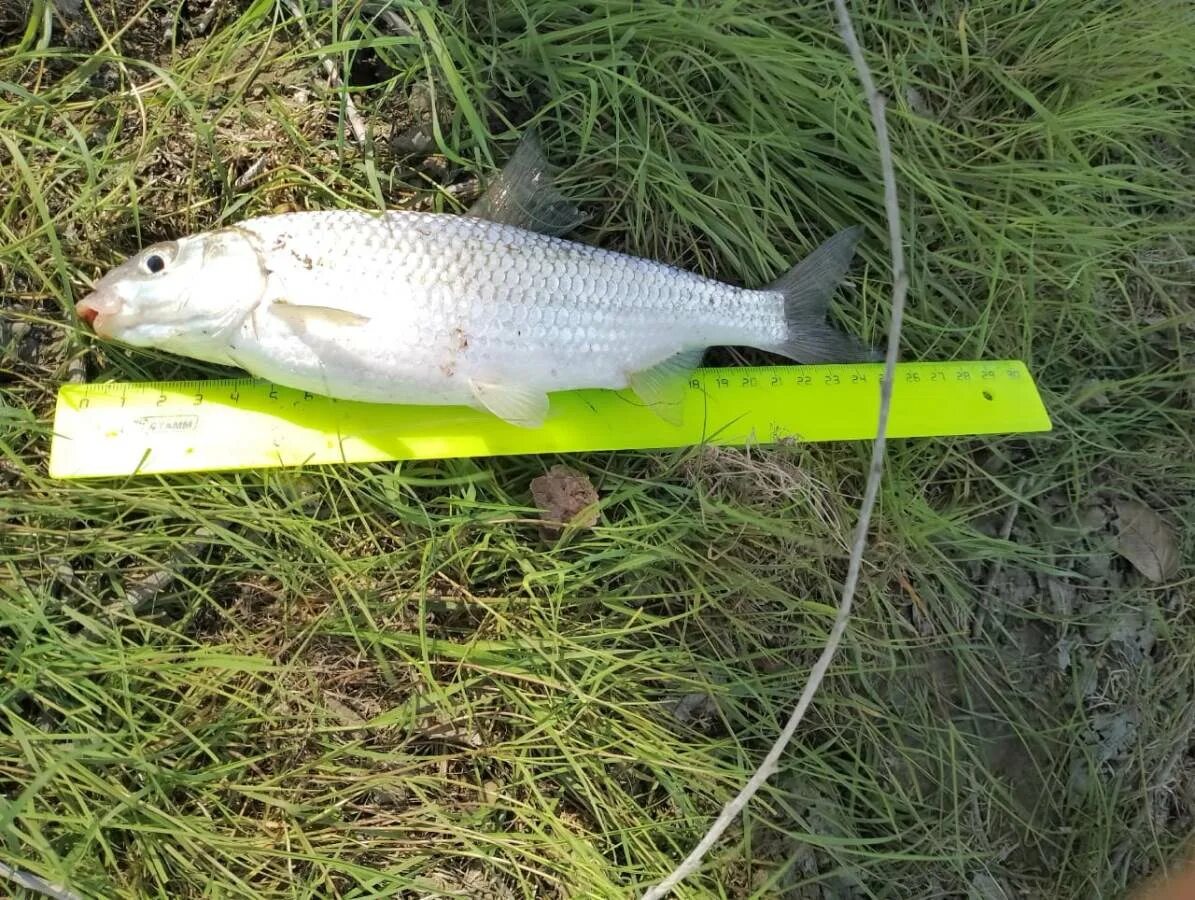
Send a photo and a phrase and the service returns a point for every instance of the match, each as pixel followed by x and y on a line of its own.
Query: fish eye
pixel 154 263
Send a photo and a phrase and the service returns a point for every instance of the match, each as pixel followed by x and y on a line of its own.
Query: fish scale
pixel 596 315
pixel 494 309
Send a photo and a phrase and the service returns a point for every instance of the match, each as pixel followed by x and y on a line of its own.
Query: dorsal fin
pixel 524 195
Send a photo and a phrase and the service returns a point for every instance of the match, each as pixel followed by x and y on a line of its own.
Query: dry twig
pixel 140 594
pixel 871 491
pixel 246 177
pixel 356 123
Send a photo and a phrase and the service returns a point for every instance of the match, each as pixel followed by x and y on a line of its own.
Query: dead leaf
pixel 1146 540
pixel 564 496
pixel 345 714
pixel 452 733
pixel 984 886
pixel 691 708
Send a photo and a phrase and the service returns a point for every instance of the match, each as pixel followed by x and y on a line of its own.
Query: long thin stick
pixel 38 885
pixel 900 286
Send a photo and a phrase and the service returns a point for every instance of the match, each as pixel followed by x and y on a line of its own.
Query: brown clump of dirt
pixel 565 497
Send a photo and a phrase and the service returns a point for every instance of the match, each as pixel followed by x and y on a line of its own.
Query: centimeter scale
pixel 121 429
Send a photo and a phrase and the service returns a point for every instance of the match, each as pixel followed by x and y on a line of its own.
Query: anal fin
pixel 662 387
pixel 525 407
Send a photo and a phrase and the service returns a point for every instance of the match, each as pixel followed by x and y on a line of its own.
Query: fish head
pixel 184 295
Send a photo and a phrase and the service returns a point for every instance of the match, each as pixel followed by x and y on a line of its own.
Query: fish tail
pixel 808 288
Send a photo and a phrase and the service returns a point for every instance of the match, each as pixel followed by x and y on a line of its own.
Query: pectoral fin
pixel 300 316
pixel 662 387
pixel 523 195
pixel 524 407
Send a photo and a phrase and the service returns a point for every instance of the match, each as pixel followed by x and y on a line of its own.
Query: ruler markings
pixel 238 423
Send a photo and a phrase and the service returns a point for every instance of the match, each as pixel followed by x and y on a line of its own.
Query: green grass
pixel 379 681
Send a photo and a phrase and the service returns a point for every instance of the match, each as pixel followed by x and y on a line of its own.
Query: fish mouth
pixel 86 312
pixel 93 309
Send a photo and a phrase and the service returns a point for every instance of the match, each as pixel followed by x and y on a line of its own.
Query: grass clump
pixel 379 680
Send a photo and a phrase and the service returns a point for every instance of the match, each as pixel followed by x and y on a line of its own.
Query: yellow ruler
pixel 118 429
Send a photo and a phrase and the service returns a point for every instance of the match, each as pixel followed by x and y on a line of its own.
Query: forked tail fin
pixel 808 288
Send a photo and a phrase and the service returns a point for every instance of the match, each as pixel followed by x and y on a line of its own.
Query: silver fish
pixel 493 309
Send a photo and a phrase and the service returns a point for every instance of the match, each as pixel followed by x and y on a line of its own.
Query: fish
pixel 494 309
